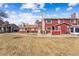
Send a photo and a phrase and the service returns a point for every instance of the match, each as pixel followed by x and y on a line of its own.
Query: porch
pixel 59 29
pixel 5 29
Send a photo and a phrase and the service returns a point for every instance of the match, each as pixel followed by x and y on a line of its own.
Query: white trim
pixel 58 21
pixel 74 21
pixel 75 33
pixel 57 29
pixel 49 22
pixel 62 21
pixel 49 26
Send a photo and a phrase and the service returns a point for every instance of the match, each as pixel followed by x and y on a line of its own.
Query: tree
pixel 2 15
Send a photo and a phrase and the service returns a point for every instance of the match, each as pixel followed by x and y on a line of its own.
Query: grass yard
pixel 17 44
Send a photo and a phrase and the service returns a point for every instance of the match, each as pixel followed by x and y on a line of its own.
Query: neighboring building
pixel 6 27
pixel 28 29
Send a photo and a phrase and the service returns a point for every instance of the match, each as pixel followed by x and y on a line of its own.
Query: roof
pixel 3 25
pixel 74 26
pixel 9 25
pixel 29 26
pixel 61 24
pixel 60 18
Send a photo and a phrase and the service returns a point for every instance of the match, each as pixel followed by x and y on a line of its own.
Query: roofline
pixel 61 24
pixel 59 18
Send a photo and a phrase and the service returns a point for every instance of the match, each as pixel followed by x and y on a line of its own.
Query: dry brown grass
pixel 25 44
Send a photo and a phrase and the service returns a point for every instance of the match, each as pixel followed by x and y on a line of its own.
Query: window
pixel 62 21
pixel 49 21
pixel 76 29
pixel 54 28
pixel 72 30
pixel 49 28
pixel 72 20
pixel 58 27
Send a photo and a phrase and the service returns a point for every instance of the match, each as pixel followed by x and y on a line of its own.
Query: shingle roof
pixel 61 24
pixel 59 19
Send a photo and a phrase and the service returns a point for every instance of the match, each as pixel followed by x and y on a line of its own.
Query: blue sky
pixel 30 12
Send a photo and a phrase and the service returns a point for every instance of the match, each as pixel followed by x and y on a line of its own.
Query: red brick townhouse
pixel 58 26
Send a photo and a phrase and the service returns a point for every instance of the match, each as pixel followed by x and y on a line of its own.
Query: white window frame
pixel 74 21
pixel 62 21
pixel 56 29
pixel 48 27
pixel 59 27
pixel 49 22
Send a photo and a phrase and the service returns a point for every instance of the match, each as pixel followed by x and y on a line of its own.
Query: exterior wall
pixel 28 30
pixel 63 27
pixel 53 22
pixel 56 33
pixel 6 29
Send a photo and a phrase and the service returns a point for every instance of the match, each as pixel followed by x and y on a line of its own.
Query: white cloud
pixel 28 6
pixel 5 5
pixel 58 8
pixel 13 12
pixel 1 4
pixel 41 5
pixel 33 6
pixel 54 15
pixel 72 4
pixel 7 12
pixel 48 15
pixel 70 8
pixel 36 10
pixel 77 15
pixel 24 17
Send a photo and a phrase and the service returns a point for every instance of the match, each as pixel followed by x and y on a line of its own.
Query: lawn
pixel 19 44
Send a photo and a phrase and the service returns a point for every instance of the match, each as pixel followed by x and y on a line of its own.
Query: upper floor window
pixel 49 21
pixel 62 21
pixel 72 21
